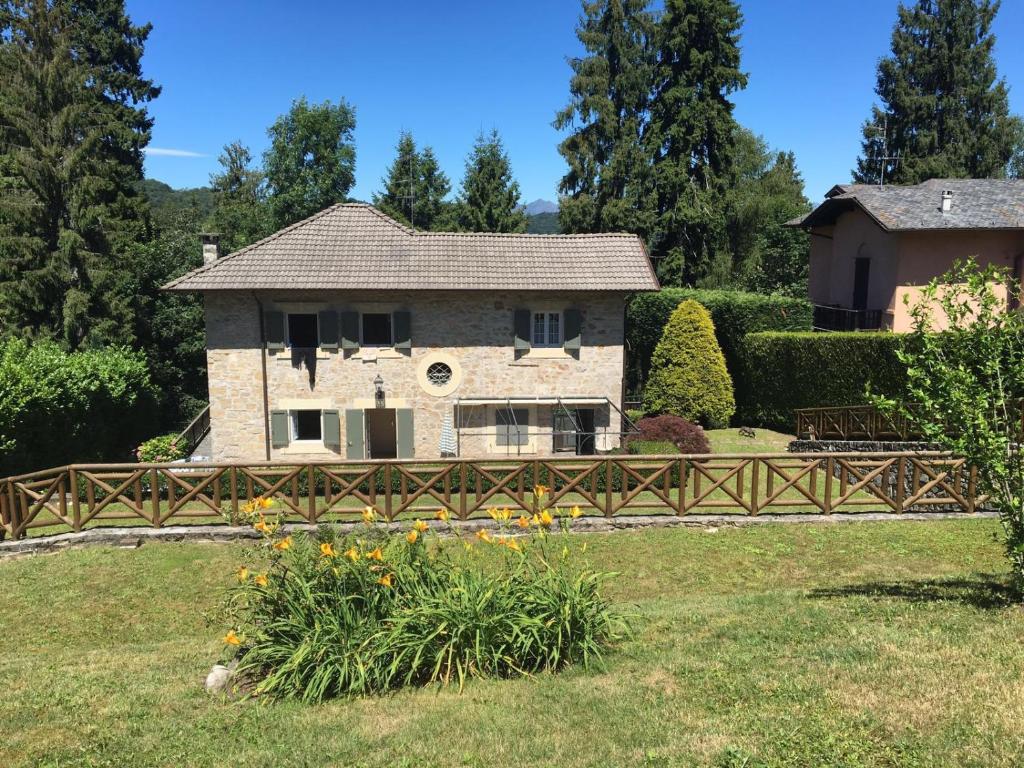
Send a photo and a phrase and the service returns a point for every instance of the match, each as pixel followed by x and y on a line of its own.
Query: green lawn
pixel 874 644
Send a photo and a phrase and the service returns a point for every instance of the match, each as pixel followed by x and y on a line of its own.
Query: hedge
pixel 734 313
pixel 781 372
pixel 58 407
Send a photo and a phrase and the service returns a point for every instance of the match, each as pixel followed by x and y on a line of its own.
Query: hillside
pixel 167 201
pixel 543 224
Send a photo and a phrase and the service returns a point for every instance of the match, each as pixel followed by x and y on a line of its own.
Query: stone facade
pixel 470 331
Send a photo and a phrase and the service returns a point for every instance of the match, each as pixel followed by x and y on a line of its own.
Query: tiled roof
pixel 977 204
pixel 353 246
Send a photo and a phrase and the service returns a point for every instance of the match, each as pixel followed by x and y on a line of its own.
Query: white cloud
pixel 163 152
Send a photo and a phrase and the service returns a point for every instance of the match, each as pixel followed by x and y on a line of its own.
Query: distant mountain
pixel 540 206
pixel 166 201
pixel 543 224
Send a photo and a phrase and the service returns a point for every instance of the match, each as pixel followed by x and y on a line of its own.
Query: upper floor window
pixel 376 329
pixel 547 329
pixel 302 331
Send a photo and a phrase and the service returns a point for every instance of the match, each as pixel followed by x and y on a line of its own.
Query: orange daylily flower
pixel 283 544
pixel 575 512
pixel 242 573
pixel 412 536
pixel 421 526
pixel 327 550
pixel 352 554
pixel 375 555
pixel 545 520
pixel 369 515
pixel 260 579
pixel 443 515
pixel 386 580
pixel 513 545
pixel 523 521
pixel 231 638
pixel 540 490
pixel 483 535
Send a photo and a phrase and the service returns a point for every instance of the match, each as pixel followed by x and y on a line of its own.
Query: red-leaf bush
pixel 686 436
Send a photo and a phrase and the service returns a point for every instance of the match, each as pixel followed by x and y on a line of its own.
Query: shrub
pixel 785 371
pixel 58 407
pixel 689 377
pixel 651 448
pixel 159 450
pixel 315 618
pixel 681 434
pixel 734 314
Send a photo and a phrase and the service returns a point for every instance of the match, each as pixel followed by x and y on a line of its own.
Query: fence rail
pixel 78 496
pixel 854 422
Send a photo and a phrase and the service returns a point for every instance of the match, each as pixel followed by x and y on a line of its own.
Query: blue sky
pixel 446 70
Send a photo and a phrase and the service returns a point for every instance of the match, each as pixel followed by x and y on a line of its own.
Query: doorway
pixel 574 431
pixel 381 434
pixel 861 277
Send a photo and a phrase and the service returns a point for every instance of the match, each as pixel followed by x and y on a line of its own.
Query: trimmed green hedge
pixel 59 407
pixel 781 372
pixel 734 314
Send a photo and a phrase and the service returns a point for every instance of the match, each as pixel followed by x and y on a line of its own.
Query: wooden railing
pixel 194 433
pixel 78 496
pixel 854 422
pixel 832 318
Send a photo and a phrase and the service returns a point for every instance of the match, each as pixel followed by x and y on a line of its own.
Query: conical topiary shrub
pixel 688 374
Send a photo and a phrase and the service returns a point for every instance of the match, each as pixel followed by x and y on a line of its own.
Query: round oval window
pixel 439 374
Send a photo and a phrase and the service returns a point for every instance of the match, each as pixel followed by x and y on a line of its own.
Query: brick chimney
pixel 211 246
pixel 947 201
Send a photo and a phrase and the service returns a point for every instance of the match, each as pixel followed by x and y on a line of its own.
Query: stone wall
pixel 473 332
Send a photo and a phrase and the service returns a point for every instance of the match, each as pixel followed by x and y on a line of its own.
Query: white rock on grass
pixel 219 679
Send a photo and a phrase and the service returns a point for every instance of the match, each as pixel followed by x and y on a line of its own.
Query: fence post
pixel 387 490
pixel 463 501
pixel 608 488
pixel 972 490
pixel 154 496
pixel 754 481
pixel 901 483
pixel 830 469
pixel 311 492
pixel 683 477
pixel 76 507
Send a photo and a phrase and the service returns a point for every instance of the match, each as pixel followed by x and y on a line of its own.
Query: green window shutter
pixel 332 429
pixel 328 322
pixel 403 330
pixel 406 447
pixel 280 434
pixel 573 329
pixel 521 326
pixel 350 330
pixel 355 441
pixel 273 329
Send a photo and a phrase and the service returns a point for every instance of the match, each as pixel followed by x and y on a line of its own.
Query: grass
pixel 872 644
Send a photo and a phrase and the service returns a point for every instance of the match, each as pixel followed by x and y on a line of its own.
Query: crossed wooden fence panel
pixel 77 496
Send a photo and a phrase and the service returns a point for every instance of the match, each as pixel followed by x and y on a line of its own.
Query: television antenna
pixel 884 158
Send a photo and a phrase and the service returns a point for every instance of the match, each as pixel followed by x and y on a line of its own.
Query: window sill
pixel 370 354
pixel 296 447
pixel 545 353
pixel 286 354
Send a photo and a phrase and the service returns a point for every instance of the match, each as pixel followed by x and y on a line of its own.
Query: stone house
pixel 350 336
pixel 872 246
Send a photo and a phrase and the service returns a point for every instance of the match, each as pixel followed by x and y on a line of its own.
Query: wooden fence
pixel 853 422
pixel 78 496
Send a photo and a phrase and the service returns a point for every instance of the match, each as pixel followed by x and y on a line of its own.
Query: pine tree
pixel 311 162
pixel 489 198
pixel 72 130
pixel 240 210
pixel 692 133
pixel 607 184
pixel 943 108
pixel 415 188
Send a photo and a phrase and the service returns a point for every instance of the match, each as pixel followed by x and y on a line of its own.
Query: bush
pixel 782 372
pixel 682 435
pixel 316 618
pixel 651 448
pixel 160 450
pixel 734 314
pixel 689 377
pixel 60 407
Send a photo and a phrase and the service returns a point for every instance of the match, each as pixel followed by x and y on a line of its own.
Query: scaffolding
pixel 566 405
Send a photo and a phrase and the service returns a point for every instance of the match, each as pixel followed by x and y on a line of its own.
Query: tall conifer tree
pixel 692 133
pixel 944 110
pixel 73 127
pixel 489 198
pixel 415 188
pixel 605 188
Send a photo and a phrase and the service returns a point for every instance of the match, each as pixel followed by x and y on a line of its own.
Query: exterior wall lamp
pixel 378 391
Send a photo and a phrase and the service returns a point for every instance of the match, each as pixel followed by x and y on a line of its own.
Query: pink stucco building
pixel 871 246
